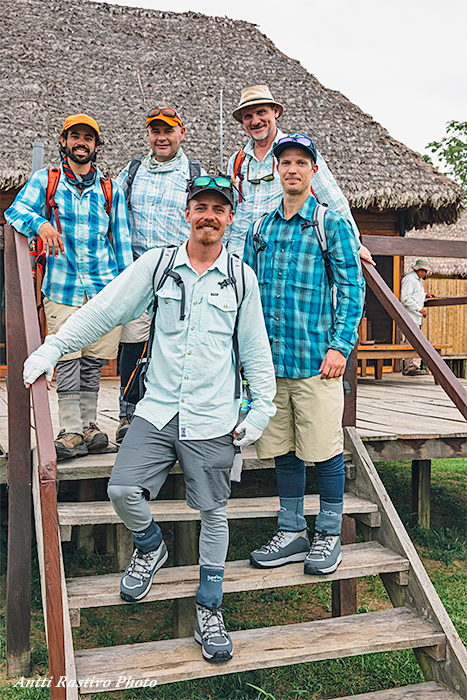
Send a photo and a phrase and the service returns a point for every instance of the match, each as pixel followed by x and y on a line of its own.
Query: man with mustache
pixel 85 230
pixel 155 189
pixel 189 411
pixel 254 170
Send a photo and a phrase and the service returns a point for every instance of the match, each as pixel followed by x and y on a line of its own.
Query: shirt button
pixel 182 401
pixel 282 250
pixel 277 318
pixel 225 306
pixel 280 273
pixel 165 301
pixel 192 328
pixel 189 352
pixel 278 296
pixel 194 303
pixel 276 341
pixel 186 377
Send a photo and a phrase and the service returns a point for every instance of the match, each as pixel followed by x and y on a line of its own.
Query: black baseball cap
pixel 208 183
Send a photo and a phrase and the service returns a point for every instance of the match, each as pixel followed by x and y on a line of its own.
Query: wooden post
pixel 185 553
pixel 421 491
pixel 350 399
pixel 18 593
pixel 344 593
pixel 85 538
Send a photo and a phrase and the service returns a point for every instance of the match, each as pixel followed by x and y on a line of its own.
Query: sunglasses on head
pixel 166 112
pixel 205 181
pixel 303 140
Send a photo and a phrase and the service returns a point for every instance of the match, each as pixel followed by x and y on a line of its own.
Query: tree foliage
pixel 452 151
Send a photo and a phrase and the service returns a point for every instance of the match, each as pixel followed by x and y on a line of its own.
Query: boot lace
pixel 276 542
pixel 212 623
pixel 141 565
pixel 322 544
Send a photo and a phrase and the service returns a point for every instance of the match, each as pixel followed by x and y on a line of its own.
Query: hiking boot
pixel 137 579
pixel 283 548
pixel 70 445
pixel 210 632
pixel 325 554
pixel 95 439
pixel 122 429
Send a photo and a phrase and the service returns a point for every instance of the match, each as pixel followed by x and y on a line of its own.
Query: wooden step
pixel 362 559
pixel 181 659
pixel 421 691
pixel 99 512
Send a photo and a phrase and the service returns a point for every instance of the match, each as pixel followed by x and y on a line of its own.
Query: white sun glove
pixel 247 434
pixel 36 365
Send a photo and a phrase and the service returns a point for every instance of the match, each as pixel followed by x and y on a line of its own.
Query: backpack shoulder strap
pixel 52 184
pixel 319 229
pixel 237 171
pixel 236 271
pixel 195 169
pixel 106 184
pixel 132 170
pixel 163 267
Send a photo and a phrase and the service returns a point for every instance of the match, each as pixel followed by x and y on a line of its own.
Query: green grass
pixel 442 549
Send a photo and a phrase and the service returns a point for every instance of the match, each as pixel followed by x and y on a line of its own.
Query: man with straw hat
pixel 254 169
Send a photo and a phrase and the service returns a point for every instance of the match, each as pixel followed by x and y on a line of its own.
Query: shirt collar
pixel 220 263
pixel 305 212
pixel 249 148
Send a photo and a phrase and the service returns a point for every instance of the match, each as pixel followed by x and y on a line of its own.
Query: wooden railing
pixel 425 349
pixel 23 338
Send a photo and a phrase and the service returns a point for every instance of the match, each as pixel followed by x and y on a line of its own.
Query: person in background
pixel 413 297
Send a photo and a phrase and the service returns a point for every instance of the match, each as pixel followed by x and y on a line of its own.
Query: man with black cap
pixel 82 219
pixel 155 189
pixel 255 175
pixel 413 297
pixel 311 339
pixel 190 410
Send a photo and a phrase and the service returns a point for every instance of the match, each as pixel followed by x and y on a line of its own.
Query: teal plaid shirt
pixel 295 292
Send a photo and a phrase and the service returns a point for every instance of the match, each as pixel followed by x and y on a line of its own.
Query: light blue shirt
pixel 192 370
pixel 267 196
pixel 158 202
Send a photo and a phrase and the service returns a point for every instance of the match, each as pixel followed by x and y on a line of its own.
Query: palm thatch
pixel 60 57
pixel 443 267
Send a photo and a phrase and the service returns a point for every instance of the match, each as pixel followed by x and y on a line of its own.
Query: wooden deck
pixel 395 409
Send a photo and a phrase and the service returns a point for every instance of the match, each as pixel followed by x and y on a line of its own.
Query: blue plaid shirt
pixel 267 196
pixel 295 292
pixel 158 202
pixel 90 260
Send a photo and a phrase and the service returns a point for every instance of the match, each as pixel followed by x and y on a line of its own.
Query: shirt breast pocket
pixel 169 309
pixel 220 313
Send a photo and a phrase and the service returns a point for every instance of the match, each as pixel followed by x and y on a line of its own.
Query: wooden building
pixel 129 60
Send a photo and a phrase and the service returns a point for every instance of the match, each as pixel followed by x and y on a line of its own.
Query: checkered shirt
pixel 90 260
pixel 295 292
pixel 158 202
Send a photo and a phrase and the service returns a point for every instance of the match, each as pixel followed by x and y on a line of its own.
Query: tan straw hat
pixel 255 95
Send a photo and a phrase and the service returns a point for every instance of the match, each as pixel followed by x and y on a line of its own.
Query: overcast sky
pixel 402 61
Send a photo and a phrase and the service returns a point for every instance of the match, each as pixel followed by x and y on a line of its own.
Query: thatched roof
pixel 444 267
pixel 59 57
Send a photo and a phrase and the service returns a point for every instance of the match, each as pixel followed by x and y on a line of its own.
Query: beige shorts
pixel 106 347
pixel 308 420
pixel 136 331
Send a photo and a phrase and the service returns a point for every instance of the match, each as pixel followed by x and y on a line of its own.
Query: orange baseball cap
pixel 166 114
pixel 75 119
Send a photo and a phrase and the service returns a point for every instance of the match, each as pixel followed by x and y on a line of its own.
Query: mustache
pixel 207 222
pixel 75 148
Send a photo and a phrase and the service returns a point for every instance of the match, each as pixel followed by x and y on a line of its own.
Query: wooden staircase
pixel 418 619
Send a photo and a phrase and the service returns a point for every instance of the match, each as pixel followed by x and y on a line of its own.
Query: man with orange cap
pixel 155 187
pixel 82 219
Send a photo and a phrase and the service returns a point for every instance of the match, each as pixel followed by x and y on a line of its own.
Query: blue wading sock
pixel 290 516
pixel 329 518
pixel 209 591
pixel 149 539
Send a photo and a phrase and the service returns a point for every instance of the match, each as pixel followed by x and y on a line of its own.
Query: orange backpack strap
pixel 52 184
pixel 237 171
pixel 106 184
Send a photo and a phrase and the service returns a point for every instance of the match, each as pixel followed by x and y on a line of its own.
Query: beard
pixel 81 160
pixel 255 137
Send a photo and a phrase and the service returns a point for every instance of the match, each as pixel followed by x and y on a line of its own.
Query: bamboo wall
pixel 447 324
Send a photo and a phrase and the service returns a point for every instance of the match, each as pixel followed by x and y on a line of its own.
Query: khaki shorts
pixel 136 331
pixel 308 420
pixel 106 347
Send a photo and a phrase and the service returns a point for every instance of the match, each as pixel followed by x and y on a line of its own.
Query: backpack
pixel 195 171
pixel 135 388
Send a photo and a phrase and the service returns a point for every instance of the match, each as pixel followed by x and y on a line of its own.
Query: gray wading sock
pixel 88 406
pixel 69 413
pixel 329 518
pixel 209 591
pixel 290 516
pixel 148 539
